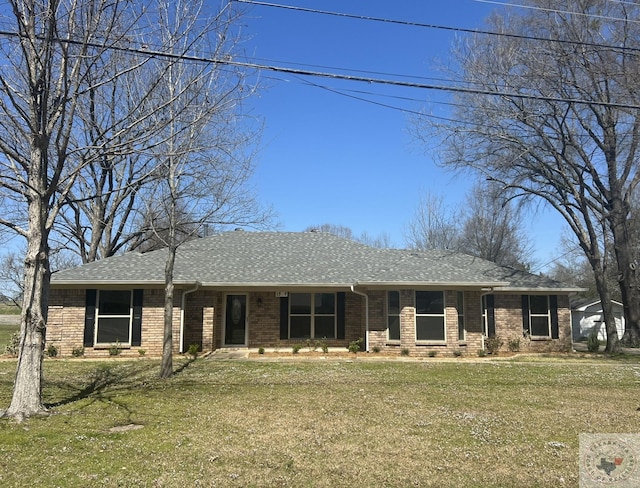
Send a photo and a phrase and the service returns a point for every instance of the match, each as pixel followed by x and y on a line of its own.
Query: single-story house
pixel 244 289
pixel 586 315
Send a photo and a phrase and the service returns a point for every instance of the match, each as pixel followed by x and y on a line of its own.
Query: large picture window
pixel 393 315
pixel 312 315
pixel 539 316
pixel 113 317
pixel 430 316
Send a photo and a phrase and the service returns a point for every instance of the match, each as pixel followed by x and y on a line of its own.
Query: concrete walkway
pixel 228 353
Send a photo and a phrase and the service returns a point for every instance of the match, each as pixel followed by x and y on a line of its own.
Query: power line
pixel 447 28
pixel 335 76
pixel 558 11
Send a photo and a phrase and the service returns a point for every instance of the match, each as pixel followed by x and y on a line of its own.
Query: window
pixel 539 316
pixel 113 317
pixel 460 307
pixel 393 315
pixel 312 315
pixel 430 316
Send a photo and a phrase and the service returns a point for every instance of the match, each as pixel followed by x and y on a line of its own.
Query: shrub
pixel 493 344
pixel 261 350
pixel 77 352
pixel 457 353
pixel 482 353
pixel 14 343
pixel 52 351
pixel 593 343
pixel 142 352
pixel 514 344
pixel 193 351
pixel 376 349
pixel 115 350
pixel 355 346
pixel 324 346
pixel 296 348
pixel 404 351
pixel 433 354
pixel 632 343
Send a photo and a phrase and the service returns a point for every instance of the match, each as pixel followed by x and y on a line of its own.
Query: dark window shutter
pixel 341 314
pixel 525 315
pixel 284 318
pixel 89 317
pixel 553 305
pixel 491 316
pixel 136 329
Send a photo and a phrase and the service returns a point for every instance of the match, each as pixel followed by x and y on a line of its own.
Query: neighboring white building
pixel 587 314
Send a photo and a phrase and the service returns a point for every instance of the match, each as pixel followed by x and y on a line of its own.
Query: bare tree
pixel 434 226
pixel 43 83
pixel 204 161
pixel 493 229
pixel 557 120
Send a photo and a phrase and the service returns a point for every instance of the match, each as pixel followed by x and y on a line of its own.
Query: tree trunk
pixel 166 369
pixel 627 276
pixel 27 390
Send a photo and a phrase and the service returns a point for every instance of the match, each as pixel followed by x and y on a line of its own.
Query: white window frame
pixel 389 314
pixel 312 315
pixel 546 315
pixel 112 316
pixel 442 315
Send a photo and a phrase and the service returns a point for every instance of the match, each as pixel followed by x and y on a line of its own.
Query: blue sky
pixel 329 157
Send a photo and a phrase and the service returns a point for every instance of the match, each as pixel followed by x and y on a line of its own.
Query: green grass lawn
pixel 331 423
pixel 6 331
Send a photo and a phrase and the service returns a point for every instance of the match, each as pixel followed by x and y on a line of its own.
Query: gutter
pixel 366 316
pixel 182 305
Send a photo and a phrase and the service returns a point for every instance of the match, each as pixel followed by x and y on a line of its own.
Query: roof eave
pixel 439 284
pixel 541 289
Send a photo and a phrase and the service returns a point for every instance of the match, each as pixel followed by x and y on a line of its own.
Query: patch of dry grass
pixel 316 423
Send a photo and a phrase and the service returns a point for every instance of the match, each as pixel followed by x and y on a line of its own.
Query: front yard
pixel 317 423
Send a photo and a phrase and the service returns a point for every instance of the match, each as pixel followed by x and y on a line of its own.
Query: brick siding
pixel 204 323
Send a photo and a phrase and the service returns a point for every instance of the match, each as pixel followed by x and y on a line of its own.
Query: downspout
pixel 366 316
pixel 182 305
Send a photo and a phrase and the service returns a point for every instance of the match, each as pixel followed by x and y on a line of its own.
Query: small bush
pixel 355 346
pixel 493 344
pixel 261 350
pixel 324 346
pixel 514 345
pixel 77 352
pixel 115 349
pixel 193 351
pixel 593 343
pixel 14 343
pixel 404 351
pixel 432 354
pixel 296 348
pixel 52 351
pixel 632 343
pixel 457 353
pixel 482 353
pixel 376 349
pixel 142 352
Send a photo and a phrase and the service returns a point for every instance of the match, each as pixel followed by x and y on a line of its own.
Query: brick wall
pixel 508 318
pixel 204 323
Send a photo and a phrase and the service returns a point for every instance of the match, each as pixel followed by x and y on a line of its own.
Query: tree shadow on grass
pixel 108 380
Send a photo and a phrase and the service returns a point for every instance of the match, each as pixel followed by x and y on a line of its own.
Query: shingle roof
pixel 281 259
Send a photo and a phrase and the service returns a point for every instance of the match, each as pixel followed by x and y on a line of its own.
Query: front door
pixel 235 328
